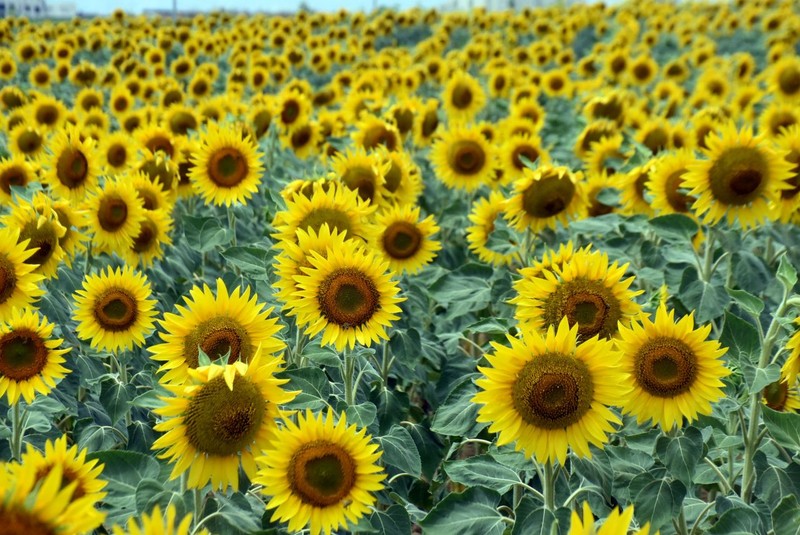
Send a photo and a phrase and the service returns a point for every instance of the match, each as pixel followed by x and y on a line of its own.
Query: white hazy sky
pixel 136 6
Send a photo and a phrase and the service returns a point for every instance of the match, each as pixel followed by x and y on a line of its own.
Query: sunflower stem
pixel 683 529
pixel 752 437
pixel 19 423
pixel 232 225
pixel 386 363
pixel 87 266
pixel 549 486
pixel 708 257
pixel 349 377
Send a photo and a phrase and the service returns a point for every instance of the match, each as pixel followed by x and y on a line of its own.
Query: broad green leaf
pixel 750 272
pixel 123 471
pixel 749 302
pixel 322 356
pixel 737 521
pixel 456 416
pixel 787 273
pixel 786 516
pixel 772 484
pixel 473 512
pixel 362 414
pixel 658 502
pixel 533 519
pixel 392 521
pixel 707 299
pixel 682 453
pixel 759 378
pixel 115 397
pixel 741 339
pixel 252 261
pixel 483 471
pixel 406 345
pixel 400 451
pixel 313 386
pixel 203 234
pixel 151 492
pixel 784 427
pixel 674 226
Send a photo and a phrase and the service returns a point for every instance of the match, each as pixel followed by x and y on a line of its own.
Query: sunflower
pixel 781 397
pixel 47 113
pixel 399 236
pixel 28 505
pixel 633 186
pixel 783 79
pixel 675 370
pixel 113 214
pixel 514 152
pixel 73 464
pixel 741 178
pixel 30 361
pixel 19 285
pixel 148 244
pixel 114 310
pixel 484 216
pixel 17 172
pixel 402 181
pixel 789 200
pixel 617 523
pixel 338 206
pixel 73 239
pixel 426 122
pixel 295 256
pixel 304 140
pixel 40 76
pixel 155 138
pixel 606 156
pixel 232 324
pixel 549 393
pixel 26 140
pixel 544 197
pixel 72 165
pixel 181 119
pixel 362 172
pixel 777 117
pixel 227 168
pixel 587 290
pixel 556 83
pixel 592 133
pixel 43 232
pixel 219 418
pixel 151 194
pixel 666 183
pixel 552 260
pixel 292 108
pixel 158 523
pixel 463 98
pixel 372 132
pixel 463 159
pixel 319 474
pixel 349 295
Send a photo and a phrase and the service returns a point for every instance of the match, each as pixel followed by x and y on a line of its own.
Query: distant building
pixel 502 5
pixel 33 9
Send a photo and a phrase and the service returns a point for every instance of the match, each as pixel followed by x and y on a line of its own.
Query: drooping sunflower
pixel 158 523
pixel 549 394
pixel 544 197
pixel 463 159
pixel 73 239
pixel 484 216
pixel 337 206
pixel 43 232
pixel 739 180
pixel 617 523
pixel 219 418
pixel 47 506
pixel 74 467
pixel 26 140
pixel 372 132
pixel 784 79
pixel 319 474
pixel 463 97
pixel 402 239
pixel 72 165
pixel 781 397
pixel 426 122
pixel 30 361
pixel 666 183
pixel 789 200
pixel 227 167
pixel 15 171
pixel 114 310
pixel 633 186
pixel 157 138
pixel 113 215
pixel 349 295
pixel 402 181
pixel 675 370
pixel 295 256
pixel 232 324
pixel 587 290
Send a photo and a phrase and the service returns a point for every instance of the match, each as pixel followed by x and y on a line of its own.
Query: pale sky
pixel 136 6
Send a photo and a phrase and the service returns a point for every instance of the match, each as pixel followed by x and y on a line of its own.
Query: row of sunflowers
pixel 470 272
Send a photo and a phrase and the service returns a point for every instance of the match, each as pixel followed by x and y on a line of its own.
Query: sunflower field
pixel 470 273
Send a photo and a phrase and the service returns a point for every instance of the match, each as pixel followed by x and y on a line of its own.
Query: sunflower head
pixel 462 158
pixel 403 240
pixel 544 197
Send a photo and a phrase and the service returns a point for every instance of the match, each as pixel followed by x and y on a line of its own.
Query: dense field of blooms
pixel 451 273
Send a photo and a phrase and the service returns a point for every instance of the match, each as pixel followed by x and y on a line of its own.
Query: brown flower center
pixel 402 240
pixel 361 179
pixel 29 142
pixel 665 367
pixel 548 196
pixel 72 168
pixel 462 97
pixel 467 157
pixel 47 114
pixel 587 303
pixel 348 298
pixel 218 337
pixel 321 473
pixel 112 213
pixel 776 395
pixel 147 239
pixel 227 167
pixel 789 81
pixel 738 176
pixel 116 310
pixel 23 354
pixel 20 522
pixel 12 176
pixel 523 149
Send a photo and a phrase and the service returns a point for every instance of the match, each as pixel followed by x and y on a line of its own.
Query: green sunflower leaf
pixel 483 471
pixel 784 427
pixel 473 512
